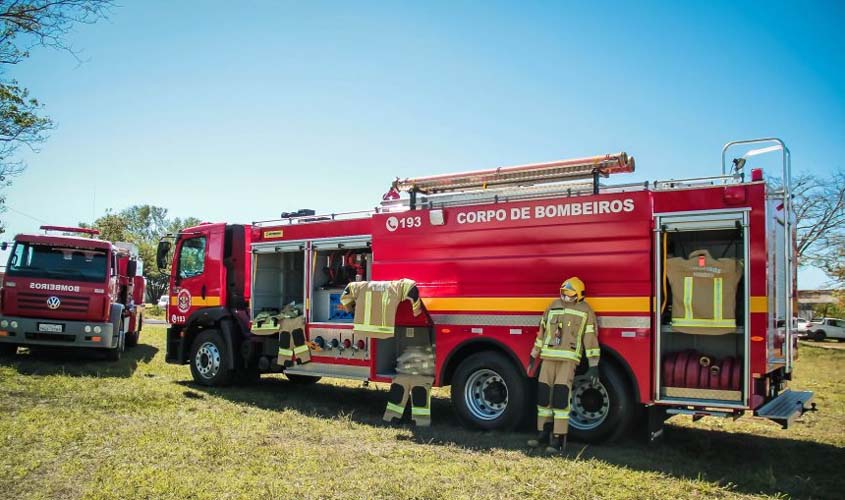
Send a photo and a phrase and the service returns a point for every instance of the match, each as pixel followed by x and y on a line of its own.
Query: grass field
pixel 85 428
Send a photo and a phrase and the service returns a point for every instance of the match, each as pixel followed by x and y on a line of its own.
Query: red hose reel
pixel 694 370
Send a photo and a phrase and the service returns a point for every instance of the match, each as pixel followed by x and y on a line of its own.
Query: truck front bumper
pixel 48 332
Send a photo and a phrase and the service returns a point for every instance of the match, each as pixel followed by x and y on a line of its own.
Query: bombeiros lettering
pixel 557 210
pixel 53 287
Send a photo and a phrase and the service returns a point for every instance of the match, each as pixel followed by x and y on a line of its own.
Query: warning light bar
pixel 522 175
pixel 92 232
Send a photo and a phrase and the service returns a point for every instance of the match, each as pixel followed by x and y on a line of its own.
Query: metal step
pixel 329 370
pixel 787 407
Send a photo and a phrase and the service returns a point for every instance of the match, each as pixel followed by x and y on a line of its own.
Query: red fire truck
pixel 71 291
pixel 488 251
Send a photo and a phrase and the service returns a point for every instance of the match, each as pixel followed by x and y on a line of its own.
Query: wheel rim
pixel 486 394
pixel 590 405
pixel 207 360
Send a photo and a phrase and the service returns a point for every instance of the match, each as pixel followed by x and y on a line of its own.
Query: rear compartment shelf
pixel 785 408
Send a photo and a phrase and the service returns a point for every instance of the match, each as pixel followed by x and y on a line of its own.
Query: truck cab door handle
pixel 202 292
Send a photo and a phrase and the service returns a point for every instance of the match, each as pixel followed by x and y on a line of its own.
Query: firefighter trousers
pixel 554 392
pixel 417 388
pixel 292 348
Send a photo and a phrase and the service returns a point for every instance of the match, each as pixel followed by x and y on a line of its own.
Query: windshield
pixel 48 261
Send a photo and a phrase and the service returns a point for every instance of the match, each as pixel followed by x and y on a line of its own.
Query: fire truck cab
pixel 488 251
pixel 71 291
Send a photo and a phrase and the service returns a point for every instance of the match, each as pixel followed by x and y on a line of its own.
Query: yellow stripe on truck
pixel 198 301
pixel 533 304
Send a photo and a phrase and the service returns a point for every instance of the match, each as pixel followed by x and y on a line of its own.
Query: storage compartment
pixel 278 281
pixel 702 309
pixel 388 350
pixel 334 266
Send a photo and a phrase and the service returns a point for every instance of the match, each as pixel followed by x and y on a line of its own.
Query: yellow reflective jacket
pixel 567 331
pixel 375 304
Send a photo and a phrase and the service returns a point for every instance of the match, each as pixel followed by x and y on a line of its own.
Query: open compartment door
pixel 701 338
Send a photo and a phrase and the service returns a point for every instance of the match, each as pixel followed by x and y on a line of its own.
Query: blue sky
pixel 236 111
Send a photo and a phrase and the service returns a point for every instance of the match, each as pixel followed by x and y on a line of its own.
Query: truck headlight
pixel 4 324
pixel 97 329
pixel 87 328
pixel 14 324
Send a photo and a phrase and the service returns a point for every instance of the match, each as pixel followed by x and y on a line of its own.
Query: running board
pixel 699 414
pixel 313 369
pixel 787 407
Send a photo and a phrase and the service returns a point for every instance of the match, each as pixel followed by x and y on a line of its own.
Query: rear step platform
pixel 787 407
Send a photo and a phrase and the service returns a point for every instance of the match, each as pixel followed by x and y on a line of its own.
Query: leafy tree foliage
pixel 143 225
pixel 24 25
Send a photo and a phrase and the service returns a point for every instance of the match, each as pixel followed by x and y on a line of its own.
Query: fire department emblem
pixel 392 224
pixel 183 300
pixel 53 302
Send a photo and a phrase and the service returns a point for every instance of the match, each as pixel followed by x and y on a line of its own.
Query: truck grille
pixel 37 302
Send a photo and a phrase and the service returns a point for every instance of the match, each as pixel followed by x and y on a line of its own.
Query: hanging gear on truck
pixel 567 331
pixel 375 304
pixel 293 348
pixel 704 293
pixel 417 389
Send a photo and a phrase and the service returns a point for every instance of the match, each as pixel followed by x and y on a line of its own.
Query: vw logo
pixel 53 302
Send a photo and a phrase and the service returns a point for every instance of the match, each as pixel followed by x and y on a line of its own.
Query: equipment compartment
pixel 702 338
pixel 278 280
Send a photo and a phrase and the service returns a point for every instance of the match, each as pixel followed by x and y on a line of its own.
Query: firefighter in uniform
pixel 568 330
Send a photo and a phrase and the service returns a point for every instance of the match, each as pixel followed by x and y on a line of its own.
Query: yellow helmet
pixel 573 287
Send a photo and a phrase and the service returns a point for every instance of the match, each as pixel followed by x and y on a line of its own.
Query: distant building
pixel 809 298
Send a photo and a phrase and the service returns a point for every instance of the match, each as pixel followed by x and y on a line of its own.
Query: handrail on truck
pixel 787 215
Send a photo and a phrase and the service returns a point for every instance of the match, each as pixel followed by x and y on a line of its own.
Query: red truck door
pixel 196 282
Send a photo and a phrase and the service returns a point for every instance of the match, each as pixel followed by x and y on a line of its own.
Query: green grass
pixel 86 428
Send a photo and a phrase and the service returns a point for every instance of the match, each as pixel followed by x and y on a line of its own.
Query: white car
pixel 162 301
pixel 832 328
pixel 801 325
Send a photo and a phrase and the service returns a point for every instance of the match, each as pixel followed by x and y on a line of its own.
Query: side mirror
pixel 4 245
pixel 132 268
pixel 161 254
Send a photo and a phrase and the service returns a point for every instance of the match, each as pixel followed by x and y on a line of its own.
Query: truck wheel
pixel 116 353
pixel 209 360
pixel 8 349
pixel 488 392
pixel 604 411
pixel 819 335
pixel 301 379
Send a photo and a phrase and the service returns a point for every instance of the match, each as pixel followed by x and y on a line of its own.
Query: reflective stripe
pixel 717 298
pixel 687 298
pixel 548 353
pixel 300 349
pixel 395 408
pixel 705 323
pixel 590 329
pixel 373 329
pixel 285 352
pixel 420 411
pixel 538 343
pixel 593 353
pixel 544 412
pixel 561 414
pixel 368 313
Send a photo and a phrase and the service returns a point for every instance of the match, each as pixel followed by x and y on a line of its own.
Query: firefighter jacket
pixel 703 293
pixel 375 304
pixel 568 330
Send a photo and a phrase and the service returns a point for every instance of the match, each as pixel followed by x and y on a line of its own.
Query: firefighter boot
pixel 557 444
pixel 542 438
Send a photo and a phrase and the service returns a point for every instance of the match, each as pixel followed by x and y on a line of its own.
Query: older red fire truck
pixel 71 291
pixel 488 251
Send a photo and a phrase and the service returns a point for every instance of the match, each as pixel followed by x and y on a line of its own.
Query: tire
pixel 604 412
pixel 8 349
pixel 489 392
pixel 209 360
pixel 116 353
pixel 301 379
pixel 819 335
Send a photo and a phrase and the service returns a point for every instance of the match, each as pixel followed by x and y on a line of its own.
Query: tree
pixel 143 225
pixel 24 25
pixel 819 205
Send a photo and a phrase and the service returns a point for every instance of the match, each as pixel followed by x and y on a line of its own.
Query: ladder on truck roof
pixel 537 177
